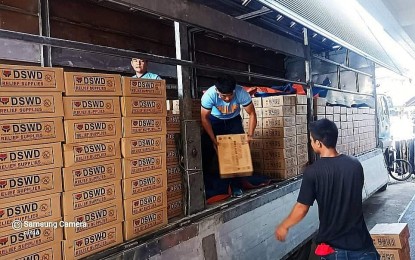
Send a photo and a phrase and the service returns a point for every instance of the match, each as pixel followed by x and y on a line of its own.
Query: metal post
pixel 373 67
pixel 190 129
pixel 46 50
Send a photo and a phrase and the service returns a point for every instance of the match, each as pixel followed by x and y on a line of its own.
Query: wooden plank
pixel 14 21
pixel 30 6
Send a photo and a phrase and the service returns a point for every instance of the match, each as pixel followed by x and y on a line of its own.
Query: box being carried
pixel 234 156
pixel 394 235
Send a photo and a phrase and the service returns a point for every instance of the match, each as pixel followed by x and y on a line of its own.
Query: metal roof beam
pixel 262 11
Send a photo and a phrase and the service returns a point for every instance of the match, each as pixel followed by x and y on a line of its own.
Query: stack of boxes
pixel 392 241
pixel 144 145
pixel 92 195
pixel 31 130
pixel 301 130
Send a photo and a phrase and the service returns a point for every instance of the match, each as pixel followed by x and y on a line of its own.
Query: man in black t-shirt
pixel 335 181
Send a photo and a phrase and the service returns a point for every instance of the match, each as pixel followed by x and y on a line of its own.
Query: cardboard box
pixel 23 185
pixel 394 254
pixel 257 102
pixel 302 148
pixel 143 126
pixel 329 110
pixel 302 139
pixel 255 154
pixel 273 101
pixel 30 79
pixel 319 117
pixel 280 132
pixel 20 132
pixel 349 111
pixel 51 252
pixel 173 173
pixel 89 152
pixel 259 123
pixel 278 122
pixel 343 118
pixel 282 174
pixel 256 144
pixel 343 110
pixel 32 209
pixel 319 110
pixel 145 223
pixel 336 117
pixel 173 122
pixel 330 117
pixel 94 218
pixel 301 110
pixel 91 107
pixel 279 153
pixel 144 184
pixel 15 243
pixel 136 87
pixel 172 156
pixel 170 138
pixel 173 106
pixel 234 156
pixel 336 110
pixel 174 207
pixel 301 169
pixel 142 204
pixel 144 164
pixel 320 101
pixel 257 133
pixel 15 105
pixel 301 129
pixel 146 107
pixel 270 144
pixel 30 158
pixel 92 84
pixel 301 119
pixel 88 130
pixel 394 235
pixel 89 197
pixel 301 100
pixel 278 111
pixel 302 159
pixel 134 146
pixel 89 174
pixel 175 189
pixel 93 242
pixel 279 164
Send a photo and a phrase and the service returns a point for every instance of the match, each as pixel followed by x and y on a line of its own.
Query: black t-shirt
pixel 336 183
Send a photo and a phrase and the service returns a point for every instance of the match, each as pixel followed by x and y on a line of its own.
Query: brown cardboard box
pixel 394 254
pixel 320 101
pixel 89 174
pixel 343 118
pixel 234 156
pixel 336 110
pixel 92 84
pixel 301 100
pixel 301 119
pixel 173 173
pixel 174 207
pixel 330 117
pixel 279 132
pixel 278 122
pixel 143 126
pixel 173 122
pixel 256 144
pixel 281 174
pixel 336 117
pixel 146 107
pixel 245 115
pixel 273 101
pixel 278 111
pixel 256 154
pixel 90 197
pixel 88 130
pixel 170 138
pixel 51 252
pixel 33 209
pixel 394 235
pixel 319 110
pixel 274 143
pixel 15 105
pixel 30 79
pixel 143 87
pixel 175 189
pixel 301 110
pixel 302 148
pixel 24 185
pixel 302 159
pixel 95 218
pixel 144 184
pixel 329 110
pixel 15 243
pixel 172 156
pixel 134 146
pixel 30 158
pixel 143 203
pixel 259 123
pixel 301 129
pixel 145 223
pixel 279 153
pixel 89 152
pixel 257 102
pixel 257 133
pixel 19 132
pixel 279 164
pixel 144 164
pixel 91 107
pixel 343 110
pixel 349 111
pixel 302 139
pixel 93 242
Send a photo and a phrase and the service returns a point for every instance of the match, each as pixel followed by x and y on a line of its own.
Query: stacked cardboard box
pixel 31 130
pixel 144 145
pixel 302 132
pixel 92 195
pixel 392 241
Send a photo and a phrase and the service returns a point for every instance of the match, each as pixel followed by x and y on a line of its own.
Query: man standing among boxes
pixel 220 115
pixel 140 68
pixel 335 181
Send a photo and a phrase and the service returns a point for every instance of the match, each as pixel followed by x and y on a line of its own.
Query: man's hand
pixel 215 145
pixel 249 139
pixel 281 233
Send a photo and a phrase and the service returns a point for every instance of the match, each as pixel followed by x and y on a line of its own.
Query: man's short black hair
pixel 225 85
pixel 325 131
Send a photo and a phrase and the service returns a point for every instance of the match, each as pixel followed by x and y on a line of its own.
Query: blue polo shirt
pixel 148 75
pixel 222 110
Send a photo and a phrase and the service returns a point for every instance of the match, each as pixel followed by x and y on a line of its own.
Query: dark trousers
pixel 214 185
pixel 341 254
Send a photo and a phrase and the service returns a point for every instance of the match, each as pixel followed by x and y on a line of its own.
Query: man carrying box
pixel 220 115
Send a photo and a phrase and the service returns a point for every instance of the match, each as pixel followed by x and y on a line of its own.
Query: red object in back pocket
pixel 323 250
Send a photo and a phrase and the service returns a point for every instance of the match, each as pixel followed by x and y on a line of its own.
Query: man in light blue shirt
pixel 140 67
pixel 220 115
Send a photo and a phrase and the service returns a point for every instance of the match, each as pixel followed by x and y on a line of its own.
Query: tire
pixel 401 170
